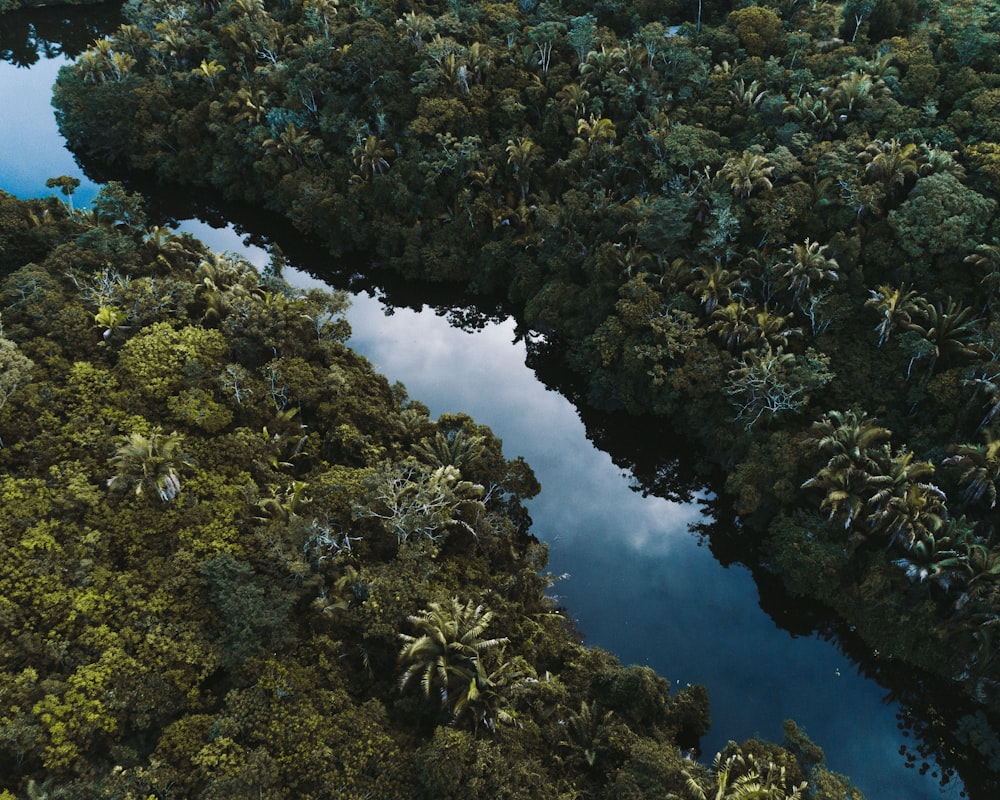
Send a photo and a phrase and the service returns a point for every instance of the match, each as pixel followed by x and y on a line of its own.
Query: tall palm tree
pixel 846 493
pixel 741 777
pixel 595 135
pixel 371 157
pixel 950 331
pixel 905 504
pixel 521 155
pixel 804 265
pixel 897 307
pixel 586 728
pixel 451 449
pixel 980 465
pixel 714 284
pixel 734 323
pixel 852 439
pixel 151 463
pixel 941 557
pixel 813 113
pixel 890 163
pixel 748 174
pixel 445 654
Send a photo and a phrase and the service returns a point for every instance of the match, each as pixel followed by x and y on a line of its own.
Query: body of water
pixel 634 577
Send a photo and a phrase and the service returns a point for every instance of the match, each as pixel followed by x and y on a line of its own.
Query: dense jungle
pixel 237 562
pixel 772 225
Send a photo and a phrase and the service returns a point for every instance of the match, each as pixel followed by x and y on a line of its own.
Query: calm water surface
pixel 634 577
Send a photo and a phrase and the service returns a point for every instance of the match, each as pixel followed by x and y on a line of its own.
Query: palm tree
pixel 748 173
pixel 573 99
pixel 595 134
pixel 772 329
pixel 747 97
pixel 852 439
pixel 897 307
pixel 370 157
pixel 805 265
pixel 451 449
pixel 445 655
pixel 890 163
pixel 846 493
pixel 741 777
pixel 714 284
pixel 980 465
pixel 942 557
pixel 854 91
pixel 485 700
pixel 293 145
pixel 150 463
pixel 904 505
pixel 913 515
pixel 586 728
pixel 814 114
pixel 734 323
pixel 950 330
pixel 521 155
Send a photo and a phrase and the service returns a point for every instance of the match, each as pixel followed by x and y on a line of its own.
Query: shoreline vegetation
pixel 238 562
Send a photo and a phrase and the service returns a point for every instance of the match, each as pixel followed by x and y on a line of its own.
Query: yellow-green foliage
pixel 158 360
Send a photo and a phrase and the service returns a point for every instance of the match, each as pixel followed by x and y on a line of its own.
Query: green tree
pixel 748 174
pixel 150 463
pixel 805 265
pixel 741 776
pixel 445 656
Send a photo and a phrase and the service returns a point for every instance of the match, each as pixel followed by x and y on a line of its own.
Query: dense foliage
pixel 237 562
pixel 774 224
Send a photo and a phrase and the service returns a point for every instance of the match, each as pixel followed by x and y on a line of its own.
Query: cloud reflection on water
pixel 638 582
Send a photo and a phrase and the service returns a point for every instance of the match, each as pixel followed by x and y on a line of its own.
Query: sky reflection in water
pixel 638 582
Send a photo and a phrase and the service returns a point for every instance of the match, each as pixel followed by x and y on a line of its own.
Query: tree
pixel 748 174
pixel 941 217
pixel 15 369
pixel 980 469
pixel 897 308
pixel 445 655
pixel 521 155
pixel 950 331
pixel 759 30
pixel 371 157
pixel 890 163
pixel 805 265
pixel 151 463
pixel 67 186
pixel 904 504
pixel 741 776
pixel 770 382
pixel 594 135
pixel 714 284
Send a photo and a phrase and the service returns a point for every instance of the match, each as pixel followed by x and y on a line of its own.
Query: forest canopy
pixel 774 225
pixel 237 562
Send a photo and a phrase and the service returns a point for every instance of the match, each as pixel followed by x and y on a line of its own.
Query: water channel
pixel 635 578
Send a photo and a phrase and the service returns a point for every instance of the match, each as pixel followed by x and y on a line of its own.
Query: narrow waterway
pixel 635 578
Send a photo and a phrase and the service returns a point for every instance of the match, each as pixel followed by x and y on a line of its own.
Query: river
pixel 635 578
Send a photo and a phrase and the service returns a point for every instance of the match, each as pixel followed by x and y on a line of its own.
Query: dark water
pixel 635 577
